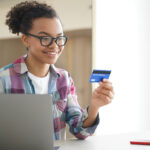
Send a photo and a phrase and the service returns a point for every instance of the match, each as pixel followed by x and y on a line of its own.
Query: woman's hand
pixel 103 94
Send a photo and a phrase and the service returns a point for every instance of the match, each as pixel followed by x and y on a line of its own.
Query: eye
pixel 46 40
pixel 61 40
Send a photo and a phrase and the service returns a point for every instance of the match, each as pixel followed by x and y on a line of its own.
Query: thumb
pixel 100 83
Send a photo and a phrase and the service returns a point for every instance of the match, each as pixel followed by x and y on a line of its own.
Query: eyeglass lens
pixel 60 41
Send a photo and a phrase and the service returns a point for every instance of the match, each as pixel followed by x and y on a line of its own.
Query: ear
pixel 25 40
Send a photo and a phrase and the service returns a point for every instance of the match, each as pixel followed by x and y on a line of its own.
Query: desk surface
pixel 106 142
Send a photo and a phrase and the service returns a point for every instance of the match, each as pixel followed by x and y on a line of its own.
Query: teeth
pixel 52 53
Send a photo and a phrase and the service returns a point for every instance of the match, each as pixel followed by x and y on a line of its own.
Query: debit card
pixel 99 75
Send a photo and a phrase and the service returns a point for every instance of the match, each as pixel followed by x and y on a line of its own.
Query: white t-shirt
pixel 40 83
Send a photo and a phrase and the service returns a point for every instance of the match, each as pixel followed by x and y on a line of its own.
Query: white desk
pixel 106 142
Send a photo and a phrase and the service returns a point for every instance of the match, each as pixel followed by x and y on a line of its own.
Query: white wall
pixel 75 14
pixel 123 45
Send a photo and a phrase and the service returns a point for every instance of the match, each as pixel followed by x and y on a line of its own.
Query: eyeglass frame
pixel 53 39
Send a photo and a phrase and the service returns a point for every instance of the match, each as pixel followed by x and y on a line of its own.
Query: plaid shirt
pixel 14 79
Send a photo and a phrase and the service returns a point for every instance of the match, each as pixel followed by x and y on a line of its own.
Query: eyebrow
pixel 48 33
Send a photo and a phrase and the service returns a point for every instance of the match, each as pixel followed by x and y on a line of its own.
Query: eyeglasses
pixel 48 40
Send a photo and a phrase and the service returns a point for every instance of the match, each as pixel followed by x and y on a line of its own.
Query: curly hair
pixel 19 18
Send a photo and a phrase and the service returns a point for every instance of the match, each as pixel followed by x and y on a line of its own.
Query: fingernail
pixel 104 80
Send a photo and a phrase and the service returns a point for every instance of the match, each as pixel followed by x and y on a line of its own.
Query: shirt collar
pixel 54 70
pixel 21 68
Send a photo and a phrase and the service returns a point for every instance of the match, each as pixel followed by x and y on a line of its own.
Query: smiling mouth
pixel 51 53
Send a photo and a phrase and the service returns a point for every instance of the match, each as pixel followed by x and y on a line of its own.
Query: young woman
pixel 42 34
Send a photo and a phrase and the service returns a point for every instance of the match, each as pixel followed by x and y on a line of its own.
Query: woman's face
pixel 45 27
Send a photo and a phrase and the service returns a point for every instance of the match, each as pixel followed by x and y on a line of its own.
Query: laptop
pixel 26 122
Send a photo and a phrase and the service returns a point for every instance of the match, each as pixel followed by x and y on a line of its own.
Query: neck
pixel 36 67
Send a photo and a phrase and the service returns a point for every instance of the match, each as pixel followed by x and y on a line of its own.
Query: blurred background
pixel 76 16
pixel 122 44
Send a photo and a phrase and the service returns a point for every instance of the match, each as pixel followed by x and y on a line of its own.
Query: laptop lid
pixel 26 122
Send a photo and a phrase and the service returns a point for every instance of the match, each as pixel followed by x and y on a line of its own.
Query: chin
pixel 51 62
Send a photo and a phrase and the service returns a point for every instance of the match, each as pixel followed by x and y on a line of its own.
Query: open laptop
pixel 26 122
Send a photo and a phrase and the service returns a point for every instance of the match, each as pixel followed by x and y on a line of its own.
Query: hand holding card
pixel 102 95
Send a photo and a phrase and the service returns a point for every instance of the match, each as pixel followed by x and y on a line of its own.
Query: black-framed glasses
pixel 48 40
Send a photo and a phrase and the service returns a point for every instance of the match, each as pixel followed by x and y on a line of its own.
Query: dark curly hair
pixel 19 18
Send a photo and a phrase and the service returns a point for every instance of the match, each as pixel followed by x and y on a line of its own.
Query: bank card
pixel 99 75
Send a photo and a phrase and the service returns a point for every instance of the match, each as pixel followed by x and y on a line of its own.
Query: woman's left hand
pixel 103 94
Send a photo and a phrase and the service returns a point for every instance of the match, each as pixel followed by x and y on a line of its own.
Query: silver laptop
pixel 26 122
